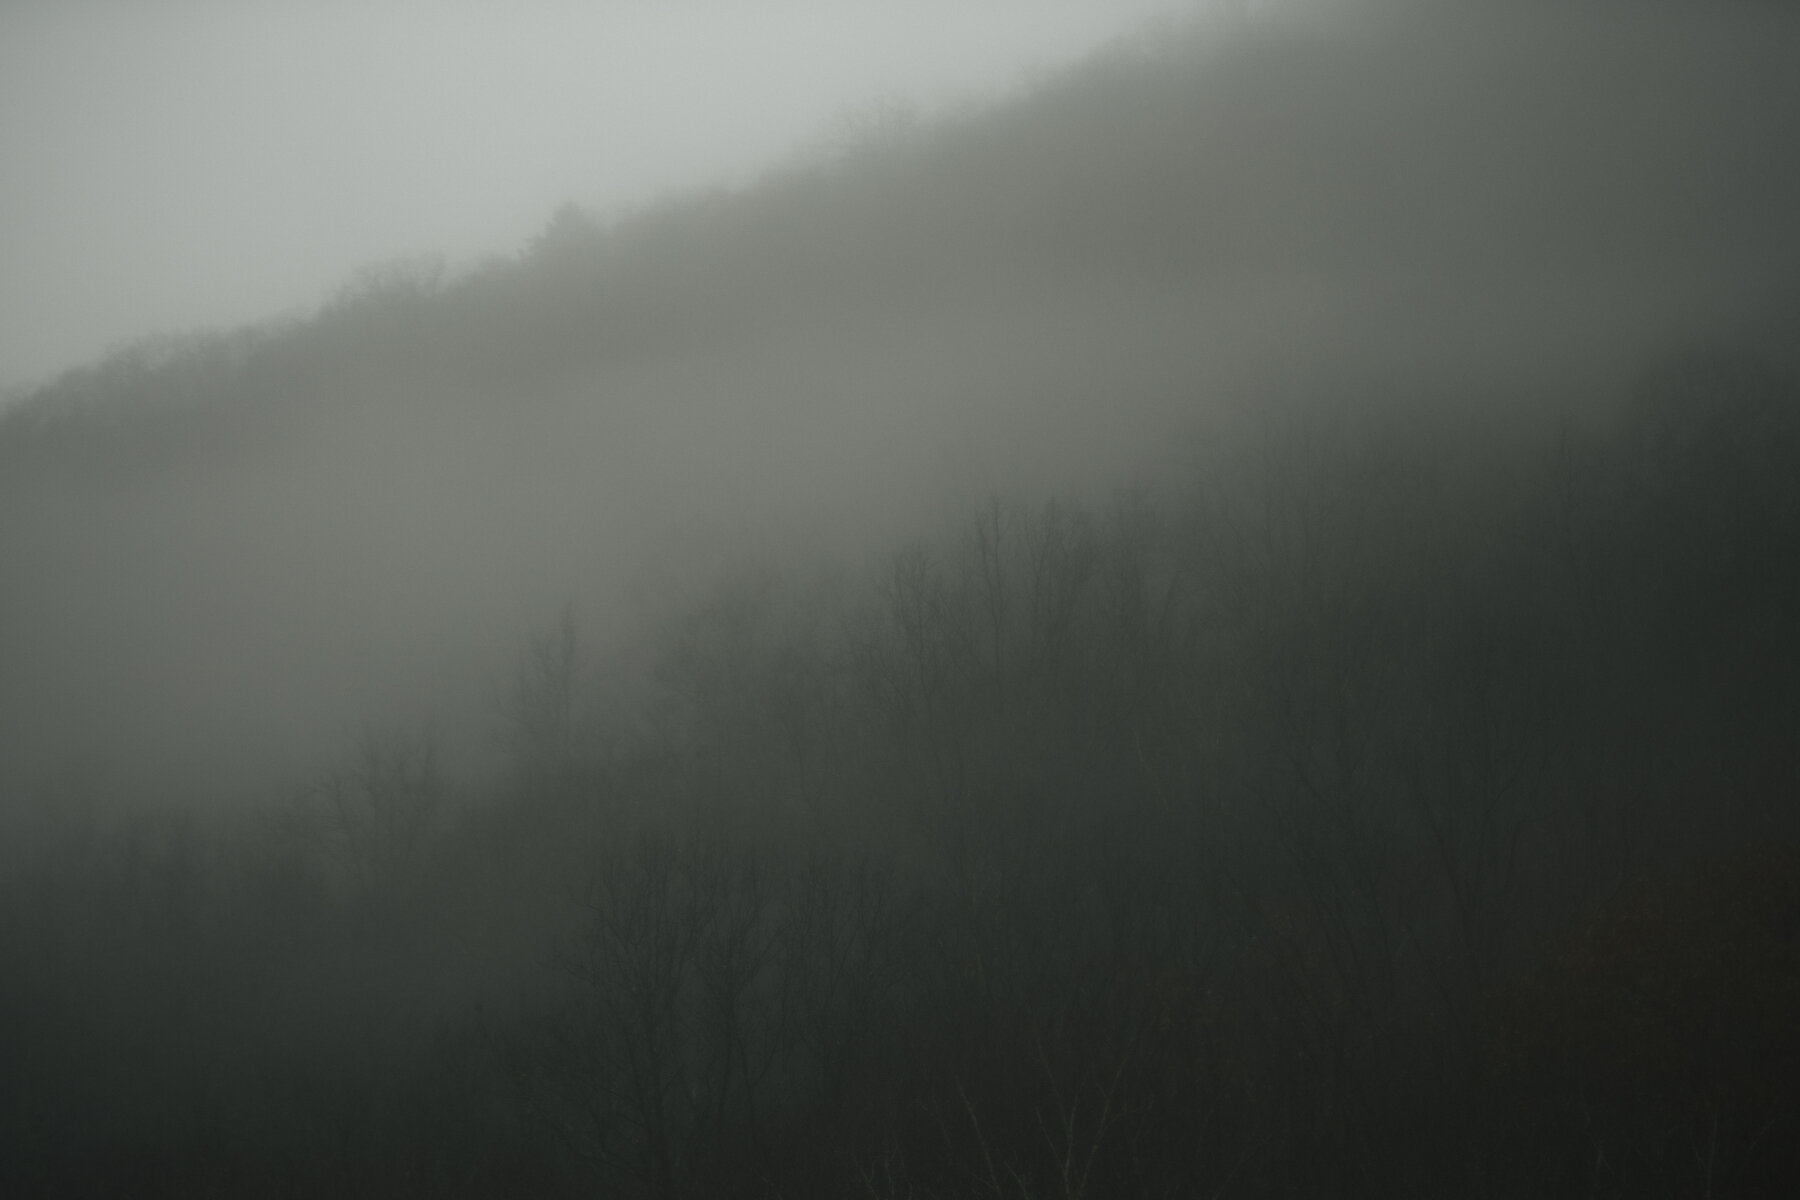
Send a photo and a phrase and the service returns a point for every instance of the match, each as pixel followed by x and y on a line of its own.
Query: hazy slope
pixel 219 559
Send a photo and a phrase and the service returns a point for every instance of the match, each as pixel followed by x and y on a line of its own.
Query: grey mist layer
pixel 225 554
pixel 1225 624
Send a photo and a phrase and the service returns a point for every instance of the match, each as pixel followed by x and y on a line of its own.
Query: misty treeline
pixel 1404 808
pixel 1226 627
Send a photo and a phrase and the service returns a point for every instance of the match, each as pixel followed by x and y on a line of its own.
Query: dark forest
pixel 1228 626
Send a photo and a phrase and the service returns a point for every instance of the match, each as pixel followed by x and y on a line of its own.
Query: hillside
pixel 1057 292
pixel 1224 625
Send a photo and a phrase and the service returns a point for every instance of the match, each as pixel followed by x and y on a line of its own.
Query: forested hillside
pixel 1223 627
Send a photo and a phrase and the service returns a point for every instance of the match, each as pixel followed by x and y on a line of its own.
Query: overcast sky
pixel 173 166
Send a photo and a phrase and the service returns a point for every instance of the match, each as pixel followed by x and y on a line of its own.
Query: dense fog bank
pixel 246 546
pixel 1222 627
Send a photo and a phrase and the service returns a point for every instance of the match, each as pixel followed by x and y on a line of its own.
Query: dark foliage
pixel 1396 797
pixel 1301 839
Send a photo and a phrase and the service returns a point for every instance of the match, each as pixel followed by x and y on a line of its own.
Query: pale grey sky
pixel 190 164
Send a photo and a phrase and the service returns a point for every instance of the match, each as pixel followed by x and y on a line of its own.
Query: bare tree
pixel 383 807
pixel 542 709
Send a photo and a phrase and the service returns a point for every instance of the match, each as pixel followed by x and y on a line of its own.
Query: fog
pixel 202 165
pixel 1211 616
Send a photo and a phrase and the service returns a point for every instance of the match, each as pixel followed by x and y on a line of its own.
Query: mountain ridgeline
pixel 1224 626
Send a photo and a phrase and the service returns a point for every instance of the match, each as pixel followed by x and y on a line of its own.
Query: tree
pixel 542 710
pixel 383 808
